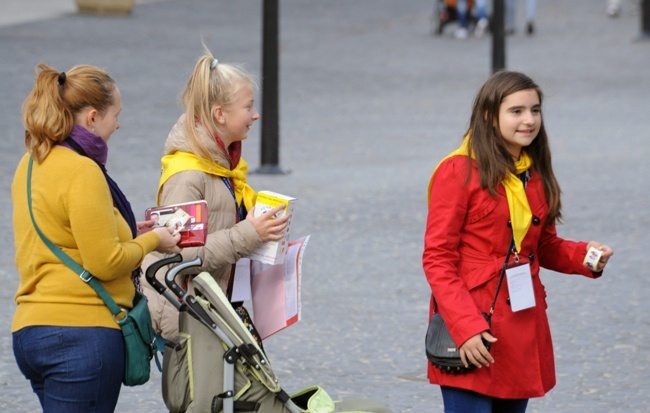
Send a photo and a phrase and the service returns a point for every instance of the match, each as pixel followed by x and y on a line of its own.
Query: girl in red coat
pixel 498 192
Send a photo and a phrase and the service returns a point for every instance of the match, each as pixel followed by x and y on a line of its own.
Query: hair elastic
pixel 214 64
pixel 61 78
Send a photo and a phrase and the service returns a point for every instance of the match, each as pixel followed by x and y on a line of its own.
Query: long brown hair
pixel 487 146
pixel 50 108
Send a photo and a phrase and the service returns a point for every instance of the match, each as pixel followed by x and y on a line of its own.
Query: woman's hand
pixel 267 226
pixel 145 226
pixel 606 251
pixel 474 351
pixel 168 241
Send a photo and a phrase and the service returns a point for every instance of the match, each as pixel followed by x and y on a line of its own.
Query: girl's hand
pixel 269 228
pixel 607 252
pixel 168 241
pixel 474 351
pixel 145 226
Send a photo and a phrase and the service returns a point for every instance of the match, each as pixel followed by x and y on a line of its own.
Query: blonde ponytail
pixel 210 84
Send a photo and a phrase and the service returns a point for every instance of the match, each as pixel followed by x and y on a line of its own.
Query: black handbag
pixel 441 349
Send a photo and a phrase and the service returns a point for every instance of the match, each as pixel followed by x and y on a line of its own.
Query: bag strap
pixel 85 276
pixel 524 177
pixel 503 272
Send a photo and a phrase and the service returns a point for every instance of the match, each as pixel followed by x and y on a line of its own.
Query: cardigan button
pixel 536 221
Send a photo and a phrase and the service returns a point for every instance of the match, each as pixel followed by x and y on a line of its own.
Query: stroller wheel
pixel 215 407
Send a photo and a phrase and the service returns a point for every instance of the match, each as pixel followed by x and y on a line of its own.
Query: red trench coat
pixel 466 240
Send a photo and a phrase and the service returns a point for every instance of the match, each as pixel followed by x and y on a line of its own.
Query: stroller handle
pixel 170 277
pixel 183 296
pixel 150 274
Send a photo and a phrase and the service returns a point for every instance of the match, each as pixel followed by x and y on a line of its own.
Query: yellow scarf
pixel 520 214
pixel 184 161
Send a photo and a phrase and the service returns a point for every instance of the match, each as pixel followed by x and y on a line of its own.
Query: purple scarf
pixel 85 143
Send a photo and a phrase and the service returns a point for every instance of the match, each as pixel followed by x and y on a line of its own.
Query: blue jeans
pixel 466 401
pixel 463 11
pixel 72 369
pixel 531 8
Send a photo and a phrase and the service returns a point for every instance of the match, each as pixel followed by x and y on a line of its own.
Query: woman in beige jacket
pixel 202 161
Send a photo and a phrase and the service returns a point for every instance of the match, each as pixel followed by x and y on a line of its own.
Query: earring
pixel 93 129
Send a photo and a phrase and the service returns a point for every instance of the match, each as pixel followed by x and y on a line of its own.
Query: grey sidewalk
pixel 15 12
pixel 370 102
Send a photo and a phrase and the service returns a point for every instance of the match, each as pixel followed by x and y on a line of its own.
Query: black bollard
pixel 498 36
pixel 270 146
pixel 645 19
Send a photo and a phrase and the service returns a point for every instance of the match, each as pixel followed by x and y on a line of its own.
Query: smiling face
pixel 236 119
pixel 520 119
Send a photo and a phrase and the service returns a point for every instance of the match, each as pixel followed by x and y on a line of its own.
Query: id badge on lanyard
pixel 519 276
pixel 520 285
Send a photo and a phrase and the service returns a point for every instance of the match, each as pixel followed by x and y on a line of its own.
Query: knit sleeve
pixel 103 237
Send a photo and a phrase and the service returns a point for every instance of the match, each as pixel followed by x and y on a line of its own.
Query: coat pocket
pixel 477 274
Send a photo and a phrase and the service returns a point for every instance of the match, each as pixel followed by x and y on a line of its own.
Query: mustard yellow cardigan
pixel 73 207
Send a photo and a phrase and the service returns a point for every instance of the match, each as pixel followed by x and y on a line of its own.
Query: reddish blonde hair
pixel 50 108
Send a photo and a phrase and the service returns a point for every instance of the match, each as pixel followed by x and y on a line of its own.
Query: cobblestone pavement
pixel 370 101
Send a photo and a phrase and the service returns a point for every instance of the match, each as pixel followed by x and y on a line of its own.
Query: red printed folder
pixel 190 219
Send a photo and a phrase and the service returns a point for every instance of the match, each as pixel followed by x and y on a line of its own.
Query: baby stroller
pixel 444 13
pixel 215 365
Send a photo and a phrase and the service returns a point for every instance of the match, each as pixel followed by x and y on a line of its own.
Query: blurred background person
pixel 531 9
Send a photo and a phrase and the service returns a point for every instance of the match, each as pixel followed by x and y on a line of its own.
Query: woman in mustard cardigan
pixel 65 340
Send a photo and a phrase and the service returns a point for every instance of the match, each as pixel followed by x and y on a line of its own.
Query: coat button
pixel 536 221
pixel 531 257
pixel 509 224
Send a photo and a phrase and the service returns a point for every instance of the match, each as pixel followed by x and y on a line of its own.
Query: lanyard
pixel 241 215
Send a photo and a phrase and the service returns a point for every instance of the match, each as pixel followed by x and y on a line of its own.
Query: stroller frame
pixel 246 353
pixel 249 383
